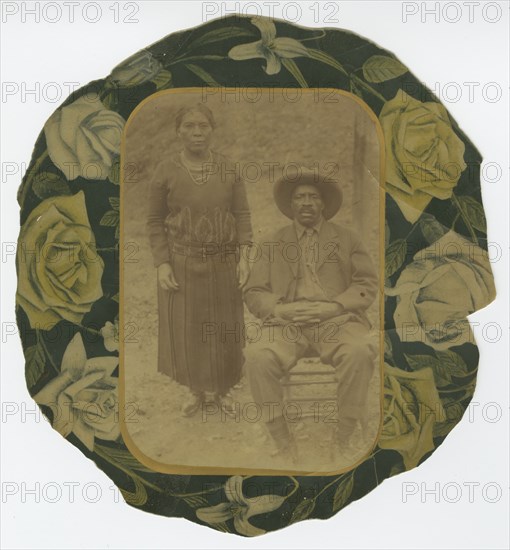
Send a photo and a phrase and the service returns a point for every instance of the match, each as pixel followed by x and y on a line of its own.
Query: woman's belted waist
pixel 204 250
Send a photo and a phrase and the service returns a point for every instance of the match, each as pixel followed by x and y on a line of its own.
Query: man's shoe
pixel 192 406
pixel 287 451
pixel 345 446
pixel 367 438
pixel 344 431
pixel 283 439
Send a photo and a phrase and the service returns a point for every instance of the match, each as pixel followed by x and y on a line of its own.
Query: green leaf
pixel 219 35
pixel 395 256
pixel 47 184
pixel 453 362
pixel 198 58
pixel 35 363
pixel 195 501
pixel 110 218
pixel 138 497
pixel 343 492
pixel 432 230
pixel 380 68
pixel 473 211
pixel 293 69
pixel 417 362
pixel 114 202
pixel 388 348
pixel 355 89
pixel 444 428
pixel 442 375
pixel 114 173
pixel 201 73
pixel 162 79
pixel 323 57
pixel 115 297
pixel 454 412
pixel 303 510
pixel 386 234
pixel 125 458
pixel 111 100
pixel 397 468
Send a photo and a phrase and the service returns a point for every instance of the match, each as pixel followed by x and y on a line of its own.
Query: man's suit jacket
pixel 344 269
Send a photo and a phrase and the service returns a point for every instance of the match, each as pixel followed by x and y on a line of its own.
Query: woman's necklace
pixel 199 171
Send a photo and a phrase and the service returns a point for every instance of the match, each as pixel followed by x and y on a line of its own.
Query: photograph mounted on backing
pixel 251 298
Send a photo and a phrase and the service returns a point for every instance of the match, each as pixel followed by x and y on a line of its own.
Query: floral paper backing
pixel 435 241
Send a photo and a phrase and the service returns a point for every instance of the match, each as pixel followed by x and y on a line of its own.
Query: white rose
pixel 84 396
pixel 83 138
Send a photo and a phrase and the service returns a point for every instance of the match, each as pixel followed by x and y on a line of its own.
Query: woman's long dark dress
pixel 198 228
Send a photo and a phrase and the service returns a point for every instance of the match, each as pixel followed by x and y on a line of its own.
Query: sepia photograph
pixel 254 274
pixel 251 296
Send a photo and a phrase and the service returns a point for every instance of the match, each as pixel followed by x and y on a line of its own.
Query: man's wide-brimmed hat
pixel 328 187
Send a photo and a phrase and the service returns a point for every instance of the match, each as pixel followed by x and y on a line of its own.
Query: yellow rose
pixel 446 282
pixel 84 396
pixel 411 408
pixel 424 156
pixel 59 270
pixel 83 138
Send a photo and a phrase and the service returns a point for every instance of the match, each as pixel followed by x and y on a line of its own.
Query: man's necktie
pixel 309 249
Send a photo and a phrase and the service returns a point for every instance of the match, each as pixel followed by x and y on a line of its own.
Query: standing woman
pixel 198 224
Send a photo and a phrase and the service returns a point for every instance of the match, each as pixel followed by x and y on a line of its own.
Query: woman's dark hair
pixel 201 108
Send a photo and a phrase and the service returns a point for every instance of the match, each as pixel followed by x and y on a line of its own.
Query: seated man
pixel 311 287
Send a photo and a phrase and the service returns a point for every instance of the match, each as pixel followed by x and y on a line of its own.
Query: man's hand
pixel 287 312
pixel 166 277
pixel 304 312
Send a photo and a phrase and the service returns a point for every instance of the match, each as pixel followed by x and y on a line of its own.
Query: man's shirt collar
pixel 300 229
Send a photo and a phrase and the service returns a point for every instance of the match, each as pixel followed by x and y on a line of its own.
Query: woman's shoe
pixel 227 404
pixel 190 407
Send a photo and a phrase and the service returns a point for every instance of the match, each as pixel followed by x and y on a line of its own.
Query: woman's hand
pixel 243 267
pixel 242 272
pixel 166 277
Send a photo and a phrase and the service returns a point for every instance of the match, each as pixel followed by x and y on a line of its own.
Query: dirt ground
pixel 254 135
pixel 211 438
